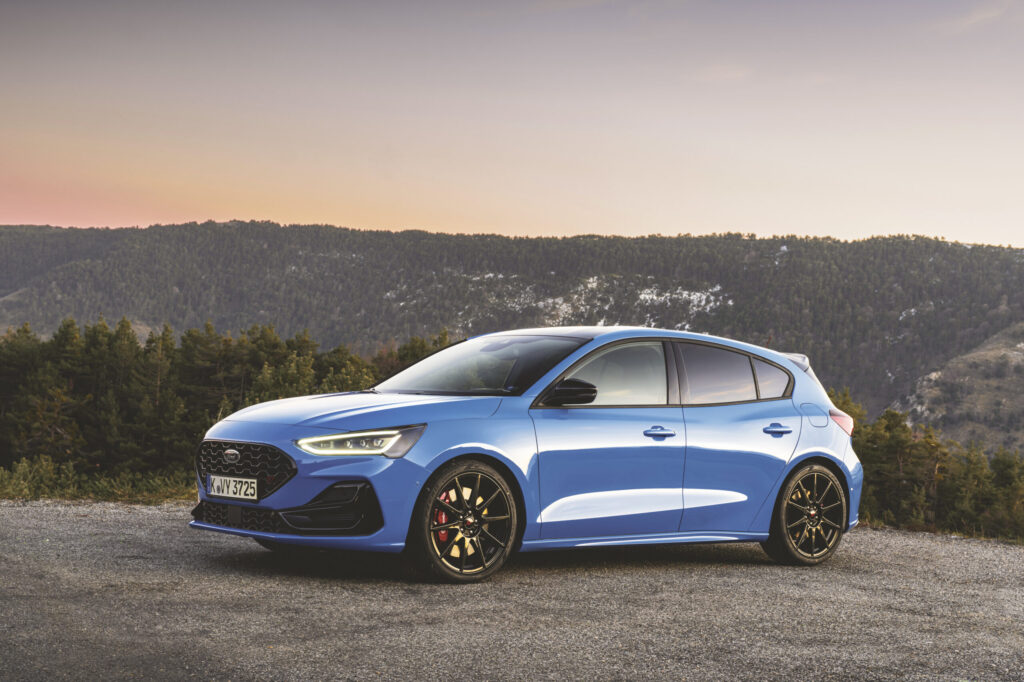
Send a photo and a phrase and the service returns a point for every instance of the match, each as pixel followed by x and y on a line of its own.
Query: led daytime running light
pixel 369 443
pixel 389 442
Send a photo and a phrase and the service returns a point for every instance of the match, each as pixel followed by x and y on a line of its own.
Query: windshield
pixel 490 365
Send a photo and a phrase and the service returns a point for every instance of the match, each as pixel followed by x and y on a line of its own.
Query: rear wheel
pixel 465 523
pixel 809 517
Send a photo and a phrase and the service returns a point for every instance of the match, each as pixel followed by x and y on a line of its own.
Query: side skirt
pixel 655 539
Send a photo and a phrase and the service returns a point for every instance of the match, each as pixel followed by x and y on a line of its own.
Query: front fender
pixel 506 440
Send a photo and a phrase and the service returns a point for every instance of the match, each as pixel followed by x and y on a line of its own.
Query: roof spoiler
pixel 800 360
pixel 804 363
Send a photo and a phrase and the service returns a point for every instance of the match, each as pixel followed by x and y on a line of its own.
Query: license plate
pixel 238 488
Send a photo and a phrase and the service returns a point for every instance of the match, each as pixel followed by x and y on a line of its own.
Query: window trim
pixel 786 392
pixel 683 379
pixel 672 394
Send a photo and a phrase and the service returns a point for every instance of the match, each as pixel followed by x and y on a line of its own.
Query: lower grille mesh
pixel 243 518
pixel 345 508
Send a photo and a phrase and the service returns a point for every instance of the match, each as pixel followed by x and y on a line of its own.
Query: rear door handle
pixel 659 432
pixel 777 430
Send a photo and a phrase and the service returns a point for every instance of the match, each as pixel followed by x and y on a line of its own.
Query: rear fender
pixel 763 519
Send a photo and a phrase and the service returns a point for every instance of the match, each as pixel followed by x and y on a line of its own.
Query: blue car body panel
pixel 732 466
pixel 584 475
pixel 600 476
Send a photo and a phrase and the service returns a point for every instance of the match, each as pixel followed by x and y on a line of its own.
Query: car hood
pixel 362 409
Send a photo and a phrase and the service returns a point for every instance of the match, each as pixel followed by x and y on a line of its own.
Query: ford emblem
pixel 231 456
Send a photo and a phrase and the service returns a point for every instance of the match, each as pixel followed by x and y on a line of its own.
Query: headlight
pixel 388 442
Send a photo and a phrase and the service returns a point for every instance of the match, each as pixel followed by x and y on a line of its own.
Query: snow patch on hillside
pixel 591 300
pixel 783 250
pixel 692 301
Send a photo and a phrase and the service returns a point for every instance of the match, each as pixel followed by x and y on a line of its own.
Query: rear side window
pixel 627 374
pixel 771 380
pixel 716 375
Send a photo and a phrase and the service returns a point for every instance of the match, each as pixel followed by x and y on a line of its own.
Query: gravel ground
pixel 106 591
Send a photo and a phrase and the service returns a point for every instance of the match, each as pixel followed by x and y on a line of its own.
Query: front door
pixel 613 467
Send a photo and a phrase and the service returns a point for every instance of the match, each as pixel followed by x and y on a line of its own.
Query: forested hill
pixel 874 315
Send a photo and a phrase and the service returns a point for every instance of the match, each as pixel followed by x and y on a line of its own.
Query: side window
pixel 628 374
pixel 771 381
pixel 716 375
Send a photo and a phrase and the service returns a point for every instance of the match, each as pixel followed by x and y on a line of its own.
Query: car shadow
pixel 647 556
pixel 327 564
pixel 377 567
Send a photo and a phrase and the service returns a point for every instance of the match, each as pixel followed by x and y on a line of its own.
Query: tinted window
pixel 771 380
pixel 628 374
pixel 493 365
pixel 716 375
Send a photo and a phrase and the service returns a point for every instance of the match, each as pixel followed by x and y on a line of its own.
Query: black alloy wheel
pixel 465 524
pixel 809 517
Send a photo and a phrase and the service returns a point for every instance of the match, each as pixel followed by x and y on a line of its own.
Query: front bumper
pixel 349 502
pixel 347 508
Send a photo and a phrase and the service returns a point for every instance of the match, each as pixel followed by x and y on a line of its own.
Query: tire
pixel 809 518
pixel 465 524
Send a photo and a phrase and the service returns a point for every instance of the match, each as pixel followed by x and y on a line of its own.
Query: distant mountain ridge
pixel 874 315
pixel 975 397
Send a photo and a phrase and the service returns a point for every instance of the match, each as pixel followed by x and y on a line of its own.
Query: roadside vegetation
pixel 918 480
pixel 93 413
pixel 42 478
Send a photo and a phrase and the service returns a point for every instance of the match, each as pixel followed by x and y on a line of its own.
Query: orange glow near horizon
pixel 547 117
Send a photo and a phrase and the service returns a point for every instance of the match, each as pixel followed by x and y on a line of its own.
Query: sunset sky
pixel 541 117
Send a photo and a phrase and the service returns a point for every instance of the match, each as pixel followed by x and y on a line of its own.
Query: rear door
pixel 615 466
pixel 741 430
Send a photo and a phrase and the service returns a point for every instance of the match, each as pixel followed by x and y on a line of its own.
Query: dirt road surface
pixel 106 591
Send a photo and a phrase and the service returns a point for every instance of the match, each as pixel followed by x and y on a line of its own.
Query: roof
pixel 615 332
pixel 591 332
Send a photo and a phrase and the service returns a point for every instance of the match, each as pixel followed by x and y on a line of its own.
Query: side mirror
pixel 571 392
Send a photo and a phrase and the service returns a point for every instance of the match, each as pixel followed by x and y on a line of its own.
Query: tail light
pixel 844 420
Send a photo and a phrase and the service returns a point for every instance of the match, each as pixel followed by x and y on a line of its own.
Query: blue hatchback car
pixel 541 439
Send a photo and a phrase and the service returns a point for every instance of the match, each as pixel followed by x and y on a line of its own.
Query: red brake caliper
pixel 442 519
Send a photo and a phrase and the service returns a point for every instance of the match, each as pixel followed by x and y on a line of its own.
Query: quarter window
pixel 627 374
pixel 772 382
pixel 715 375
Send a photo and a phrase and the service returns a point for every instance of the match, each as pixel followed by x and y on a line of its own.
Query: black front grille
pixel 269 466
pixel 235 516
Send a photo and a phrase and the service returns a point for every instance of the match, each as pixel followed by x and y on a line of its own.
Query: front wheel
pixel 465 523
pixel 809 518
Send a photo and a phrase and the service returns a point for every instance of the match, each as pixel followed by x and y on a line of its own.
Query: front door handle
pixel 777 430
pixel 659 432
